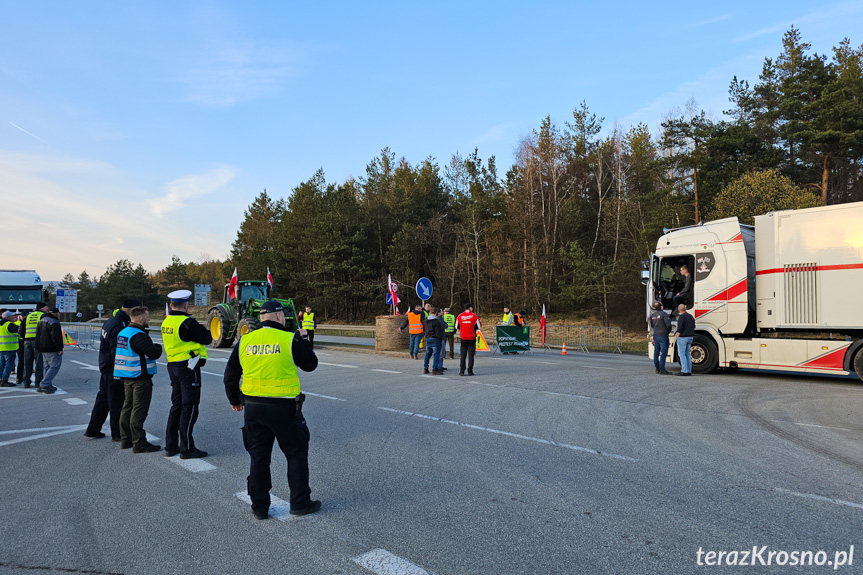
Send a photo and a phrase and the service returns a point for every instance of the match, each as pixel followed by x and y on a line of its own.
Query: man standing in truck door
pixel 685 334
pixel 684 296
pixel 660 328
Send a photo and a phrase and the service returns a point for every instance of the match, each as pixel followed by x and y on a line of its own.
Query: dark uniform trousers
pixel 109 400
pixel 450 339
pixel 264 423
pixel 185 398
pixel 136 406
pixel 467 350
pixel 31 357
pixel 310 334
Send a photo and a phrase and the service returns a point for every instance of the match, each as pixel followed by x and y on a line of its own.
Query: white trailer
pixel 20 290
pixel 779 295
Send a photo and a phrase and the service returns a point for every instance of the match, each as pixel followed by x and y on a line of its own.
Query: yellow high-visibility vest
pixel 8 339
pixel 450 322
pixel 507 319
pixel 175 348
pixel 32 320
pixel 268 364
pixel 309 321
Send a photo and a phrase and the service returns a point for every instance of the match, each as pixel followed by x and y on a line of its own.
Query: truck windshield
pixel 19 295
pixel 258 292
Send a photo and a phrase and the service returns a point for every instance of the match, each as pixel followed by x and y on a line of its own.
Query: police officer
pixel 449 332
pixel 109 399
pixel 184 340
pixel 31 355
pixel 267 360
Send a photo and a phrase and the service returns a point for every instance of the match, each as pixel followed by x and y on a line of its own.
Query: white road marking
pixel 17 396
pixel 209 359
pixel 212 373
pixel 510 434
pixel 382 562
pixel 32 429
pixel 87 366
pixel 386 371
pixel 821 426
pixel 324 396
pixel 548 362
pixel 336 364
pixel 595 367
pixel 193 465
pixel 434 376
pixel 75 401
pixel 279 508
pixel 70 429
pixel 820 498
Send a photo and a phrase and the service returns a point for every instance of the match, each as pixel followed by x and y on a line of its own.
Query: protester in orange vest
pixel 414 323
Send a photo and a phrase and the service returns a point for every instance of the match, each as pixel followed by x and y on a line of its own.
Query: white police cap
pixel 180 296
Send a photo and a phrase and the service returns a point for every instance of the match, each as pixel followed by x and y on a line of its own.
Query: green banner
pixel 513 338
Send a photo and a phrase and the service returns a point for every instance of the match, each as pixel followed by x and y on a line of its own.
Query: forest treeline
pixel 569 222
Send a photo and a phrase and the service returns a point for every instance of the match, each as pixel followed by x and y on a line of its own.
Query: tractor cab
pixel 236 317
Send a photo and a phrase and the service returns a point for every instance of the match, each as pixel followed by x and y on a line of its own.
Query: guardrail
pixel 341 329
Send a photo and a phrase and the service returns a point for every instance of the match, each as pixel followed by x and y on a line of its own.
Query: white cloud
pixel 179 191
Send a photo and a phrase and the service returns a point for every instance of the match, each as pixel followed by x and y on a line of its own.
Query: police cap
pixel 180 296
pixel 271 306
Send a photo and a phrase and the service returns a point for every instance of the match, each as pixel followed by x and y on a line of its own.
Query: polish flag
pixel 542 325
pixel 232 287
pixel 270 279
pixel 393 294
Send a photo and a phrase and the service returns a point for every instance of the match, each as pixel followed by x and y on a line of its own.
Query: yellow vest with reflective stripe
pixel 8 340
pixel 268 364
pixel 309 321
pixel 450 322
pixel 32 320
pixel 507 318
pixel 175 348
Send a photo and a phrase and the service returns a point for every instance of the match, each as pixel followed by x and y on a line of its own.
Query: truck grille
pixel 801 293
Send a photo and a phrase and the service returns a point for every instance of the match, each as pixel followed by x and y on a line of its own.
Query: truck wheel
pixel 705 356
pixel 220 327
pixel 246 325
pixel 858 364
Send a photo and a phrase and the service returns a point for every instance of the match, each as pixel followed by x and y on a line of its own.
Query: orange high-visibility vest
pixel 415 322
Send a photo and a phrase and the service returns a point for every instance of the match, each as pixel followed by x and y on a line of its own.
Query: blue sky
pixel 143 129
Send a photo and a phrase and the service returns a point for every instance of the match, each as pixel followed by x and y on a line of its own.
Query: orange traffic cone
pixel 563 351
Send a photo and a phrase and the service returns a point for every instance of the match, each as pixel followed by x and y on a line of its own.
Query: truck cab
pixel 20 290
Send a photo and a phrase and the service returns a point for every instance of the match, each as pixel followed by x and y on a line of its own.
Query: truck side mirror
pixel 645 277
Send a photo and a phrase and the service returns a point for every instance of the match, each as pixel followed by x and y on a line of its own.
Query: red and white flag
pixel 270 279
pixel 542 325
pixel 393 295
pixel 232 287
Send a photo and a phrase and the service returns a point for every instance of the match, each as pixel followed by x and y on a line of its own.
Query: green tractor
pixel 229 321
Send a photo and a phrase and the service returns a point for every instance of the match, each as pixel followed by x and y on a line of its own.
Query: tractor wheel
pixel 220 327
pixel 246 325
pixel 705 356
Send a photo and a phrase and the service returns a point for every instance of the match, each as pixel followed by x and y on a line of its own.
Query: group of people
pixel 660 337
pixel 436 327
pixel 31 346
pixel 266 359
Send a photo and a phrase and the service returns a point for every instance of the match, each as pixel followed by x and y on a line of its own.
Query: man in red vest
pixel 468 324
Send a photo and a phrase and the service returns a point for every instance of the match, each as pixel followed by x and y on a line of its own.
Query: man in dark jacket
pixel 109 399
pixel 685 334
pixel 434 331
pixel 49 342
pixel 135 363
pixel 31 355
pixel 660 328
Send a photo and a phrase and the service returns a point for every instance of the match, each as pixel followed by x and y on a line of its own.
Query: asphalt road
pixel 538 464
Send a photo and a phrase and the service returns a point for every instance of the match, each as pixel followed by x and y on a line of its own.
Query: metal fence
pixel 84 335
pixel 579 338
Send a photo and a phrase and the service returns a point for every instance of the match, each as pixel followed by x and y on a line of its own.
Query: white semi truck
pixel 779 295
pixel 20 290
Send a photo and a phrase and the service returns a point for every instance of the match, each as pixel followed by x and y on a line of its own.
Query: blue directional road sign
pixel 424 288
pixel 390 298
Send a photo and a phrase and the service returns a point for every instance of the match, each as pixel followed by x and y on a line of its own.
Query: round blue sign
pixel 424 288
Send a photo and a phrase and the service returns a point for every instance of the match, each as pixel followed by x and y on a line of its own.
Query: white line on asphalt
pixel 386 371
pixel 434 376
pixel 510 434
pixel 820 498
pixel 193 465
pixel 33 429
pixel 209 359
pixel 212 373
pixel 324 396
pixel 8 390
pixel 548 362
pixel 336 364
pixel 70 429
pixel 17 396
pixel 75 401
pixel 279 508
pixel 821 426
pixel 86 365
pixel 382 562
pixel 595 367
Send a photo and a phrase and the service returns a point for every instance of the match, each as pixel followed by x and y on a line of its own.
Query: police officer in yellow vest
pixel 31 354
pixel 267 360
pixel 309 323
pixel 449 331
pixel 184 340
pixel 8 346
